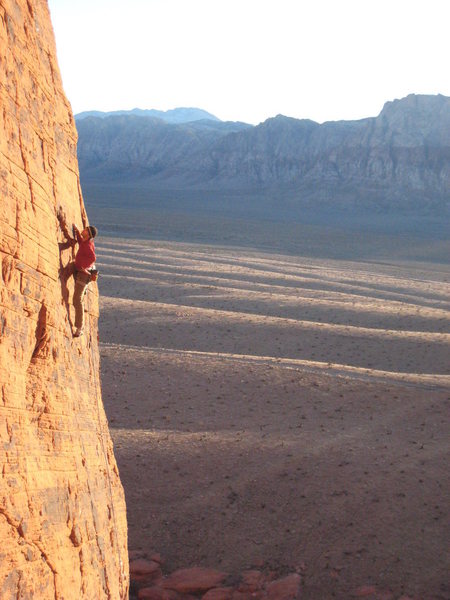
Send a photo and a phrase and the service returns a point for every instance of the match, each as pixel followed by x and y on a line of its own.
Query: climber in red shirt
pixel 84 271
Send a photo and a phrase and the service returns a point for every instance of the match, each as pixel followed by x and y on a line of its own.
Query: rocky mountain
pixel 131 147
pixel 401 158
pixel 176 115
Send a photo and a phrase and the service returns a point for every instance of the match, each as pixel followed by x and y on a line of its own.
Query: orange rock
pixel 173 595
pixel 153 593
pixel 252 581
pixel 287 588
pixel 157 558
pixel 220 593
pixel 194 580
pixel 145 571
pixel 141 566
pixel 62 511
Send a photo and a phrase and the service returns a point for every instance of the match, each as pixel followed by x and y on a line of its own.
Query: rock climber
pixel 84 271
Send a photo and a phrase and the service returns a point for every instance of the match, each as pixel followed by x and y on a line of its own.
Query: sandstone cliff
pixel 62 510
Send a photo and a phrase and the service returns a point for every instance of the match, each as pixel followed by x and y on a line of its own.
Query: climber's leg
pixel 78 297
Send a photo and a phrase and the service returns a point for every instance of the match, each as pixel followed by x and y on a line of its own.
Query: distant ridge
pixel 175 115
pixel 399 159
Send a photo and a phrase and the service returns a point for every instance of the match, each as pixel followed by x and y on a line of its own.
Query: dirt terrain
pixel 281 412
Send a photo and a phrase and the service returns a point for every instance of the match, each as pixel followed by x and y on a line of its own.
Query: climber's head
pixel 88 233
pixel 92 231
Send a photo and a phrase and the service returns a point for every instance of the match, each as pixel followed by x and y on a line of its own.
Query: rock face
pixel 62 510
pixel 134 146
pixel 399 159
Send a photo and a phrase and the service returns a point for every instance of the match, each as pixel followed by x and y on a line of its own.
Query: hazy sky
pixel 248 60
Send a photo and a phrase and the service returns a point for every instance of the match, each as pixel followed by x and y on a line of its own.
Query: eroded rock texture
pixel 62 510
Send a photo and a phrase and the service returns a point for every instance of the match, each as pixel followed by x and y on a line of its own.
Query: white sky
pixel 248 60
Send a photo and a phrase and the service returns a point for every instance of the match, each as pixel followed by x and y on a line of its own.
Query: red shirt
pixel 85 257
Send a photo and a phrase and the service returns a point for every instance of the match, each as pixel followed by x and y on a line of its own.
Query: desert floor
pixel 281 412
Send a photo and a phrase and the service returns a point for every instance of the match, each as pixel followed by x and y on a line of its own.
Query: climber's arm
pixel 76 234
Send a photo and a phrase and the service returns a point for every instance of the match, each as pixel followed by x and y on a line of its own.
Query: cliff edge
pixel 62 510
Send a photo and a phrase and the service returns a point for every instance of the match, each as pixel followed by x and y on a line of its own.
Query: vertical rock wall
pixel 62 509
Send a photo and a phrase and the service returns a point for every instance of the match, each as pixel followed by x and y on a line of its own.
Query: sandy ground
pixel 281 412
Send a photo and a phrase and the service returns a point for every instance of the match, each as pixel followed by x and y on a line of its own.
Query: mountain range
pixel 399 159
pixel 175 115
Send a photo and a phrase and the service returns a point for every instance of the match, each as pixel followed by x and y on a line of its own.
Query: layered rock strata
pixel 62 509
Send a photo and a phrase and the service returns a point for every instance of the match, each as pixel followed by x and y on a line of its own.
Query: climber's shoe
pixel 78 332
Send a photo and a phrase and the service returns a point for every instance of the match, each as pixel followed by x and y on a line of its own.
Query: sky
pixel 249 60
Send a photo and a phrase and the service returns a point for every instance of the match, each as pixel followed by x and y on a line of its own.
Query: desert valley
pixel 277 411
